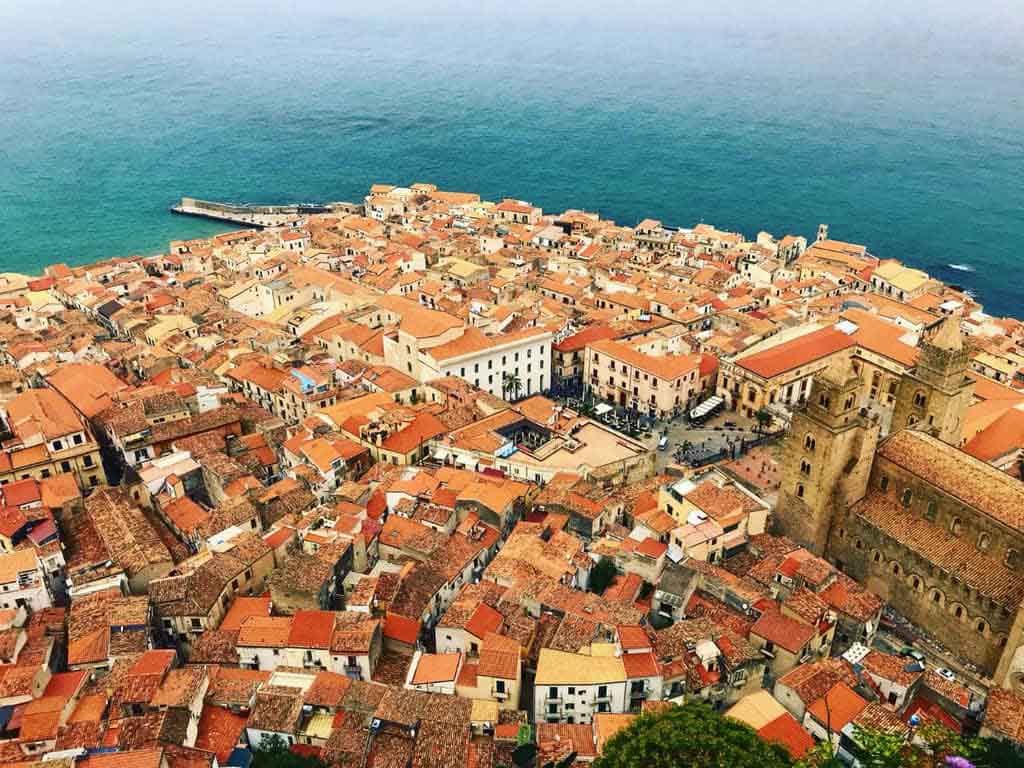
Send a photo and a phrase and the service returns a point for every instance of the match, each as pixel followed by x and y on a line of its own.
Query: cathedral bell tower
pixel 934 396
pixel 827 457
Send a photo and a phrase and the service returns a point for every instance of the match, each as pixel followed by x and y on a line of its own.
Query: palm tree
pixel 511 384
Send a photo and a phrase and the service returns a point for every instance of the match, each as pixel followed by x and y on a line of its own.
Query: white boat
pixel 961 267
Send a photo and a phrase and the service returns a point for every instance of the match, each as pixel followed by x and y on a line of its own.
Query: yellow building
pixel 50 438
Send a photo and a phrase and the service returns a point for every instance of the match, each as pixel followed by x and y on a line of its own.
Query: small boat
pixel 961 267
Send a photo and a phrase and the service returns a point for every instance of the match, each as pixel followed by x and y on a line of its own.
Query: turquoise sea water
pixel 898 123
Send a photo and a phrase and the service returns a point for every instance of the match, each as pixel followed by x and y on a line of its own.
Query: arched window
pixel 1012 558
pixel 895 569
pixel 915 582
pixel 936 596
pixel 908 494
pixel 799 490
pixel 849 403
pixel 876 556
pixel 956 526
pixel 912 420
pixel 805 467
pixel 809 443
pixel 984 541
pixel 920 399
pixel 980 625
pixel 932 510
pixel 958 611
pixel 860 544
pixel 883 482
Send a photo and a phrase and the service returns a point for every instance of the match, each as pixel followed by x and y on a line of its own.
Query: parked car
pixel 663 443
pixel 946 673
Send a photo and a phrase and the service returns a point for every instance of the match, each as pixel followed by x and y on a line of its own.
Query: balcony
pixel 501 695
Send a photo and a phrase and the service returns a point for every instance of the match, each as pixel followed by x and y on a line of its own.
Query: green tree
pixel 763 418
pixel 602 575
pixel 931 747
pixel 511 385
pixel 691 736
pixel 272 751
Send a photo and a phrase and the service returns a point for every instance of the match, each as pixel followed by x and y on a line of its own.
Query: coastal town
pixel 434 481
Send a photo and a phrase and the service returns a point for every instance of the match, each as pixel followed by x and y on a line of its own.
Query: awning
pixel 602 409
pixel 440 453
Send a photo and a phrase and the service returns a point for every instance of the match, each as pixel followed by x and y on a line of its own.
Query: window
pixel 919 399
pixel 197 623
pixel 883 482
pixel 809 443
pixel 981 626
pixel 77 439
pixel 65 466
pixel 956 526
pixel 958 611
pixel 87 460
pixel 799 490
pixel 906 498
pixel 936 596
pixel 984 541
pixel 1012 558
pixel 932 509
pixel 805 468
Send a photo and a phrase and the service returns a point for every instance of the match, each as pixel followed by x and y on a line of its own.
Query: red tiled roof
pixel 796 352
pixel 484 619
pixel 632 637
pixel 402 629
pixel 153 663
pixel 786 731
pixel 785 632
pixel 580 339
pixel 219 731
pixel 21 492
pixel 640 664
pixel 65 684
pixel 311 629
pixel 843 706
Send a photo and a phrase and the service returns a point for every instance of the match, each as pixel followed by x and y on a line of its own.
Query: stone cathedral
pixel 934 531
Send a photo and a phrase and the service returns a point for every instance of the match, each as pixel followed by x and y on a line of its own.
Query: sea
pixel 900 123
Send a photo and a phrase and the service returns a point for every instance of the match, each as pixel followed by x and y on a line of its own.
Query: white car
pixel 946 673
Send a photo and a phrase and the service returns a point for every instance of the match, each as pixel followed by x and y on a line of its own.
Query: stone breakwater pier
pixel 257 216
